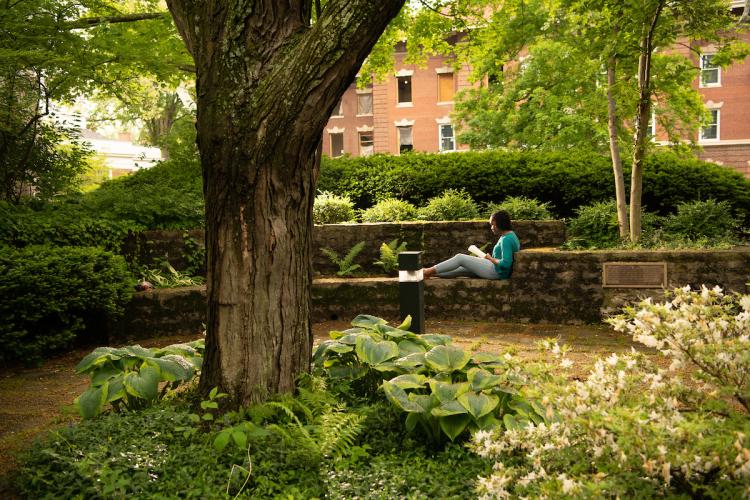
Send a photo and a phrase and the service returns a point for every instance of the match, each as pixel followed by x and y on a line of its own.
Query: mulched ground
pixel 33 400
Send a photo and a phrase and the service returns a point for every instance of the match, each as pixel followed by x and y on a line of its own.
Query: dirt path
pixel 38 399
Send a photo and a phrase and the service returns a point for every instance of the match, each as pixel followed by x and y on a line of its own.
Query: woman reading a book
pixel 496 266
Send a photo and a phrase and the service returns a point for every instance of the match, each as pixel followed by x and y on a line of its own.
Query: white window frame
pixel 702 139
pixel 652 123
pixel 339 107
pixel 717 83
pixel 372 102
pixel 405 104
pixel 334 131
pixel 445 121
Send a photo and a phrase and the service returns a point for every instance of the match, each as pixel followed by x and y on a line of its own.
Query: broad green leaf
pixel 425 401
pixel 222 439
pixel 411 361
pixel 447 358
pixel 488 421
pixel 521 406
pixel 143 384
pixel 488 359
pixel 240 439
pixel 454 425
pixel 449 408
pixel 340 348
pixel 433 339
pixel 394 333
pixel 412 419
pixel 406 347
pixel 349 338
pixel 350 372
pixel 478 405
pixel 335 334
pixel 140 352
pixel 510 422
pixel 91 402
pixel 388 366
pixel 398 397
pixel 406 324
pixel 367 321
pixel 104 372
pixel 180 349
pixel 372 352
pixel 116 388
pixel 97 357
pixel 482 379
pixel 448 392
pixel 409 381
pixel 173 367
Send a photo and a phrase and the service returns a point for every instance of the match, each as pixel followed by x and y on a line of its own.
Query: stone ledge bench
pixel 547 286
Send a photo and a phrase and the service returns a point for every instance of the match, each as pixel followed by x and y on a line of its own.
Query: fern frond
pixel 352 253
pixel 338 433
pixel 333 256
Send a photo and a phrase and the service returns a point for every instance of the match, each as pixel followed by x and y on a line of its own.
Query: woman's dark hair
pixel 501 219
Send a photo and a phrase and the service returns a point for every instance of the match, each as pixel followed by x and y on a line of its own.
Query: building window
pixel 405 141
pixel 447 141
pixel 338 111
pixel 710 73
pixel 404 89
pixel 337 145
pixel 651 127
pixel 364 104
pixel 446 87
pixel 366 143
pixel 710 131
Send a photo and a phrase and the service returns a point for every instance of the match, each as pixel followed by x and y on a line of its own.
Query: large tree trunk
pixel 641 122
pixel 614 149
pixel 266 83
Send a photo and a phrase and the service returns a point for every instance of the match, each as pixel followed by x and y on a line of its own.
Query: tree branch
pixel 89 22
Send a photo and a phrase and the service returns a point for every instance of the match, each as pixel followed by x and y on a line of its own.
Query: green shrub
pixel 452 205
pixel 567 180
pixel 329 208
pixel 50 297
pixel 595 226
pixel 166 196
pixel 701 219
pixel 63 224
pixel 389 210
pixel 389 255
pixel 522 208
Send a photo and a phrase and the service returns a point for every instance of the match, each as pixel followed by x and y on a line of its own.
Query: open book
pixel 476 251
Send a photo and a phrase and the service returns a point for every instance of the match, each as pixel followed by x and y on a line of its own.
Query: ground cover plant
pixel 328 440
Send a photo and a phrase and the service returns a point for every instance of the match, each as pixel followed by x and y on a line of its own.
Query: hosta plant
pixel 444 389
pixel 131 377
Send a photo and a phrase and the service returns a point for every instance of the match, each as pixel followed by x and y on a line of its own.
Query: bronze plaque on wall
pixel 634 275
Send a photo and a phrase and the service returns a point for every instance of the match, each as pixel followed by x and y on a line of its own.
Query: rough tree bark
pixel 614 149
pixel 266 83
pixel 641 121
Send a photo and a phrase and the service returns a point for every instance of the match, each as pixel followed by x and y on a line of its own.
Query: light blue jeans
pixel 461 265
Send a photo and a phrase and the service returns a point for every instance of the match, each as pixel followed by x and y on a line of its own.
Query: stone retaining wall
pixel 546 287
pixel 439 240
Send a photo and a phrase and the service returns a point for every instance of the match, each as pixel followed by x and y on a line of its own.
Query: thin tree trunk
pixel 266 83
pixel 641 122
pixel 614 149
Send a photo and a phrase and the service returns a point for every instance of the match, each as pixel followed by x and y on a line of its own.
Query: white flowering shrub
pixel 633 429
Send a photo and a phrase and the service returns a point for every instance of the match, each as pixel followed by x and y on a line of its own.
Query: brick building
pixel 409 111
pixel 412 110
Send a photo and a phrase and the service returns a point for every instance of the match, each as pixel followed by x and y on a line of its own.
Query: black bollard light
pixel 411 289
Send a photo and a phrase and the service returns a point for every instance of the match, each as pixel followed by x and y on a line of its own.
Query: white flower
pixel 566 363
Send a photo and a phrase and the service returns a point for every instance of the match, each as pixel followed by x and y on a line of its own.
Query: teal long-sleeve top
pixel 504 249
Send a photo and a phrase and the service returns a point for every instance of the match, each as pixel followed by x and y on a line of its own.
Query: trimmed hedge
pixel 51 297
pixel 566 180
